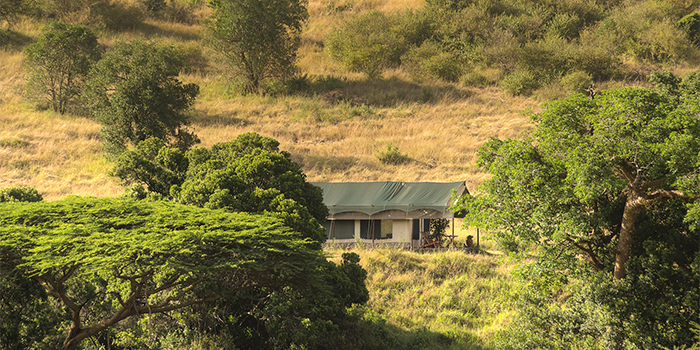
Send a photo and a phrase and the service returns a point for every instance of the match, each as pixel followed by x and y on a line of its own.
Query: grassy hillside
pixel 438 125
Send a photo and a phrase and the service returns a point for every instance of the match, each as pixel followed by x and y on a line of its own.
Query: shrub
pixel 690 25
pixel 521 82
pixel 391 156
pixel 429 59
pixel 366 44
pixel 20 194
pixel 576 81
pixel 475 78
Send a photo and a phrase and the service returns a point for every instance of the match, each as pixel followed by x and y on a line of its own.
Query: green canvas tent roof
pixel 374 197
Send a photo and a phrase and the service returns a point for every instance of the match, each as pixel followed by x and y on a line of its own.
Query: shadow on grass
pixel 386 92
pixel 371 332
pixel 318 163
pixel 14 41
pixel 207 120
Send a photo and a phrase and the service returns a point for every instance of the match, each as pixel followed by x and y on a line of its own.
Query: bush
pixel 690 25
pixel 367 44
pixel 20 194
pixel 391 156
pixel 429 59
pixel 576 81
pixel 521 82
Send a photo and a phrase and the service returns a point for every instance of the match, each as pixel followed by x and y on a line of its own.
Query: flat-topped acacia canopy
pixel 153 257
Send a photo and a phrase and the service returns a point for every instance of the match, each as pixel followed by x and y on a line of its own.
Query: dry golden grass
pixel 438 125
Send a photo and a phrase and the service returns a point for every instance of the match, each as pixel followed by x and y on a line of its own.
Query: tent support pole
pixel 452 244
pixel 477 237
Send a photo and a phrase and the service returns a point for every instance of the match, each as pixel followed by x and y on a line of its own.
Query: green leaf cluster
pixel 59 63
pixel 109 259
pixel 249 174
pixel 595 170
pixel 258 39
pixel 135 94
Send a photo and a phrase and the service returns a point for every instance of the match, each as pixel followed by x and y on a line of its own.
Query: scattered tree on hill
pixel 614 180
pixel 367 44
pixel 59 63
pixel 134 92
pixel 258 38
pixel 106 260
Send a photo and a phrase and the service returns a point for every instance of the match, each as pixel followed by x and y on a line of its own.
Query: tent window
pixel 387 229
pixel 344 229
pixel 416 227
pixel 366 229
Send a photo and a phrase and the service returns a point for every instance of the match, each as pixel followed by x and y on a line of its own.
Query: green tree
pixel 614 181
pixel 26 317
pixel 134 92
pixel 59 63
pixel 367 43
pixel 249 174
pixel 259 39
pixel 106 260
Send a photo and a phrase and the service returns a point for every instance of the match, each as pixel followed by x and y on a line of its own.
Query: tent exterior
pixel 396 213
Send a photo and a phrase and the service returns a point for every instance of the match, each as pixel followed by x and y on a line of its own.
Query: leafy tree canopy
pixel 258 38
pixel 59 63
pixel 135 94
pixel 249 174
pixel 613 180
pixel 109 259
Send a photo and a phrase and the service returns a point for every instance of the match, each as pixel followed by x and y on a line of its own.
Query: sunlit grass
pixel 466 297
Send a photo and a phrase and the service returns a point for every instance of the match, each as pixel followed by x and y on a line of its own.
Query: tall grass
pixel 464 297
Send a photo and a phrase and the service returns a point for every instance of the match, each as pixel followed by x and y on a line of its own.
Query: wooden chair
pixel 429 241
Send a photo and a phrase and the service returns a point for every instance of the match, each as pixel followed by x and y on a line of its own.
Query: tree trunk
pixel 634 206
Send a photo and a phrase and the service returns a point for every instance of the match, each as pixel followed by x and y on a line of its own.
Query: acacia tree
pixel 600 179
pixel 106 260
pixel 259 39
pixel 59 63
pixel 134 92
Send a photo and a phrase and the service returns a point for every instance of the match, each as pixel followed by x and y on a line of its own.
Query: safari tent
pixel 396 213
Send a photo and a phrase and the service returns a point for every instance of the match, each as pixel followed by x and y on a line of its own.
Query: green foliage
pixel 20 194
pixel 110 259
pixel 114 15
pixel 59 63
pixel 429 59
pixel 134 92
pixel 576 81
pixel 438 228
pixel 249 174
pixel 522 82
pixel 392 156
pixel 154 6
pixel 153 164
pixel 601 185
pixel 258 39
pixel 367 43
pixel 690 25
